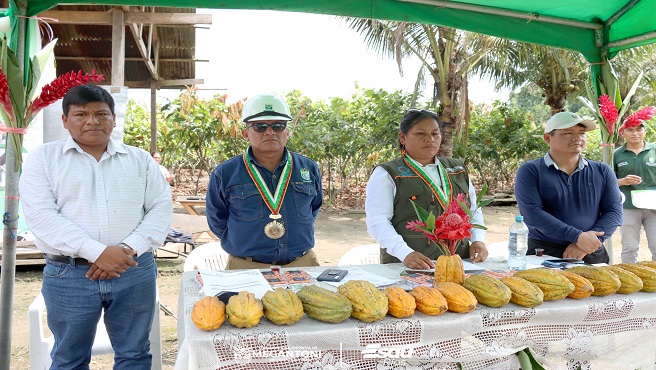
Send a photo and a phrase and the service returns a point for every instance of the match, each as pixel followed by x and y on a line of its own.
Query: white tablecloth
pixel 613 332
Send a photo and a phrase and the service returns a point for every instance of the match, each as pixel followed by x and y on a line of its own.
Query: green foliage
pixel 530 99
pixel 136 131
pixel 192 133
pixel 347 136
pixel 527 361
pixel 502 138
pixel 201 133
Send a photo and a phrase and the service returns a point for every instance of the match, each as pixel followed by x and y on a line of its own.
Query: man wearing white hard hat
pixel 263 203
pixel 571 205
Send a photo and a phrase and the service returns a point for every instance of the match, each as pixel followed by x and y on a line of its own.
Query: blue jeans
pixel 74 304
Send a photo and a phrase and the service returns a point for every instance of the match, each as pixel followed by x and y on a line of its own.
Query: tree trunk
pixel 447 128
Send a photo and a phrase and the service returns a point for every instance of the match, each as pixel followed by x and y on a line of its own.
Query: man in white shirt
pixel 98 209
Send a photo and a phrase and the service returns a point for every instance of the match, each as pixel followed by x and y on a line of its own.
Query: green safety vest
pixel 643 164
pixel 410 186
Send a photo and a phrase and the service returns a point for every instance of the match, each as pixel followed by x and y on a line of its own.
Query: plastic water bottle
pixel 518 244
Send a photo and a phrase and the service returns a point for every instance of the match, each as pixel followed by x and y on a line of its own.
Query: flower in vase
pixel 609 111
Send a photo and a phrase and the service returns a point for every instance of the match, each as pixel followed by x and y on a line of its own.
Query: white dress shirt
pixel 379 207
pixel 76 206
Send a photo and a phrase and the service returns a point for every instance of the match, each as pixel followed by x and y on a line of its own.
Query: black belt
pixel 275 263
pixel 70 260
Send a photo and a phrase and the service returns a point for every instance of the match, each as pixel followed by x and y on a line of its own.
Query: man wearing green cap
pixel 571 205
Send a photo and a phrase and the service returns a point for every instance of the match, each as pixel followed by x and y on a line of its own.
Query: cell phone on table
pixel 562 262
pixel 332 275
pixel 225 296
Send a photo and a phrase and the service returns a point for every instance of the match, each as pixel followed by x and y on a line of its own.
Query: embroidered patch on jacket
pixel 305 174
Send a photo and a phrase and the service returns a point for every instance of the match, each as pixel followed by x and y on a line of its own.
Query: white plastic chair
pixel 40 345
pixel 368 254
pixel 498 249
pixel 208 256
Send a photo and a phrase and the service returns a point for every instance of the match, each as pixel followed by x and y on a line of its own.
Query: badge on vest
pixel 405 171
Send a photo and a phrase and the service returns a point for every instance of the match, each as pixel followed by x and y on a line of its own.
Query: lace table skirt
pixel 613 332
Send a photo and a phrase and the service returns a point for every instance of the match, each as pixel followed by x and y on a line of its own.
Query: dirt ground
pixel 335 232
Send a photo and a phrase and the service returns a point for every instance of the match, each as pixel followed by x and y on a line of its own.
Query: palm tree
pixel 628 64
pixel 446 54
pixel 557 72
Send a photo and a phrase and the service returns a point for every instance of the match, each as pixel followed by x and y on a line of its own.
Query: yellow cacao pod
pixel 369 303
pixel 553 285
pixel 429 300
pixel 488 290
pixel 324 305
pixel 646 274
pixel 282 306
pixel 650 264
pixel 458 298
pixel 400 303
pixel 449 268
pixel 524 293
pixel 630 281
pixel 208 314
pixel 604 281
pixel 244 310
pixel 583 288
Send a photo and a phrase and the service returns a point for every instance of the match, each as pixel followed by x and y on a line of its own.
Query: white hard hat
pixel 265 107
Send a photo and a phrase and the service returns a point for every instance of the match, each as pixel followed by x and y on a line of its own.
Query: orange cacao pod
pixel 458 298
pixel 400 303
pixel 429 300
pixel 449 269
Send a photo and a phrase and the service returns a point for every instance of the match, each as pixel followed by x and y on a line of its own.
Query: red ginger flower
pixel 56 89
pixel 5 99
pixel 609 112
pixel 638 118
pixel 451 227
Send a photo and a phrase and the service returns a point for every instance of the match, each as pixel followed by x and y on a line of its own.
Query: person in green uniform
pixel 635 167
pixel 419 174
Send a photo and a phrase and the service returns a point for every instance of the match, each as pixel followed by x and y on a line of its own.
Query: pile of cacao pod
pixel 363 301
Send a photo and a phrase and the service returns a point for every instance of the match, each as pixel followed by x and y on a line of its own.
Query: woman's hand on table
pixel 477 252
pixel 418 261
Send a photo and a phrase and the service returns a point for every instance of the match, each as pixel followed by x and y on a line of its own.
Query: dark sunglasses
pixel 261 127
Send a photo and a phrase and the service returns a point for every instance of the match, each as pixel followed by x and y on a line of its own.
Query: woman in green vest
pixel 419 174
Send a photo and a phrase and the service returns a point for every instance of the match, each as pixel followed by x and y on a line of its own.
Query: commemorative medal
pixel 274 229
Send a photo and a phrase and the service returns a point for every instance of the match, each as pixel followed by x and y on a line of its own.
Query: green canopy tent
pixel 589 27
pixel 597 29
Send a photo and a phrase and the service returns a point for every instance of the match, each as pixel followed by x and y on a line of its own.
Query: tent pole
pixel 153 116
pixel 530 17
pixel 8 272
pixel 599 74
pixel 631 40
pixel 628 6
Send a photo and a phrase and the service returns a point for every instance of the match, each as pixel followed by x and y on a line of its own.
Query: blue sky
pixel 258 51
